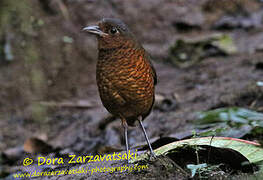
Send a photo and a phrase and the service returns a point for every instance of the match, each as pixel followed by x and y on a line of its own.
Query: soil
pixel 54 62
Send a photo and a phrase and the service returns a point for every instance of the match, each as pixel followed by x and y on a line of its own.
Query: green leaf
pixel 194 168
pixel 225 42
pixel 67 39
pixel 230 115
pixel 251 150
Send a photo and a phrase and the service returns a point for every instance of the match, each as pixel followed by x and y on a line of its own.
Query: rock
pixel 187 52
pixel 165 103
pixel 34 145
pixel 247 22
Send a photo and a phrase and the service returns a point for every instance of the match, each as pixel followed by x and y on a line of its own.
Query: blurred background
pixel 207 54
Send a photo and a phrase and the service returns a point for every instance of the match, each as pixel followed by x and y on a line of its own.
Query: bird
pixel 125 76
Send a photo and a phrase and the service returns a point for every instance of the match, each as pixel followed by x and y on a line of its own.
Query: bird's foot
pixel 129 162
pixel 152 156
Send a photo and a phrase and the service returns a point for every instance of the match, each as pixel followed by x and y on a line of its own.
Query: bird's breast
pixel 125 81
pixel 130 71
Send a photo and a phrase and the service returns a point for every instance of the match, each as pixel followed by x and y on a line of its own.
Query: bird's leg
pixel 146 137
pixel 125 126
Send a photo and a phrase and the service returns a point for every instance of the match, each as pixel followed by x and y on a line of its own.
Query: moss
pixel 39 113
pixel 17 16
pixel 12 13
pixel 38 82
pixel 31 55
pixel 21 20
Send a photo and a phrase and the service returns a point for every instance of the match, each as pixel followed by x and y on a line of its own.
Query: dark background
pixel 47 67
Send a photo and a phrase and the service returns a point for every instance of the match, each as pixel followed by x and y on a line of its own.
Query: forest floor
pixel 76 122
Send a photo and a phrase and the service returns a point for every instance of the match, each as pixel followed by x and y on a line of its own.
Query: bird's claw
pixel 152 156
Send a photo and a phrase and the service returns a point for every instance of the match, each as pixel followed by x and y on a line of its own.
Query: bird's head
pixel 111 33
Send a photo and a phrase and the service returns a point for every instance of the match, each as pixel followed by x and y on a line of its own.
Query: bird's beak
pixel 94 30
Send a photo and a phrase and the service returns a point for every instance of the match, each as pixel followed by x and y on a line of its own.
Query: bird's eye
pixel 114 30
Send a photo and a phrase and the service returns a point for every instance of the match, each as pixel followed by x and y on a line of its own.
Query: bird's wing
pixel 154 73
pixel 118 98
pixel 153 69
